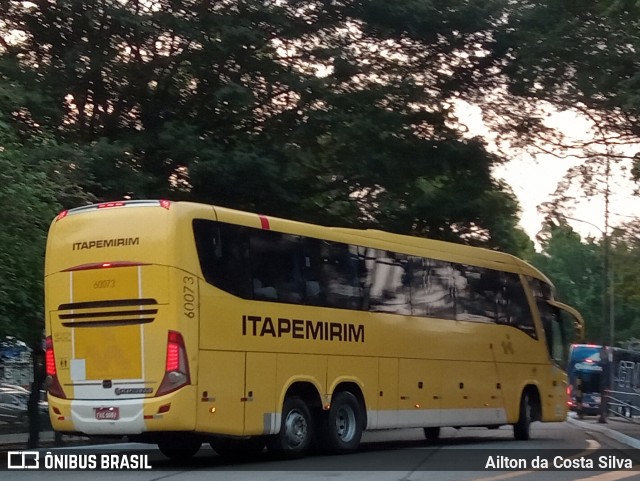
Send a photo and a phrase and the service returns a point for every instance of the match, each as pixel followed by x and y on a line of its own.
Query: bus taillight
pixel 176 372
pixel 107 205
pixel 52 383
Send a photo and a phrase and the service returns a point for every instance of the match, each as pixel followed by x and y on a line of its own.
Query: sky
pixel 534 178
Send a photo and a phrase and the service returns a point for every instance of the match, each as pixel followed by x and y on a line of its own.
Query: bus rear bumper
pixel 172 412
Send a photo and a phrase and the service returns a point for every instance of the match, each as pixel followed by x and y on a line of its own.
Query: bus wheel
pixel 342 426
pixel 432 433
pixel 521 429
pixel 296 430
pixel 180 449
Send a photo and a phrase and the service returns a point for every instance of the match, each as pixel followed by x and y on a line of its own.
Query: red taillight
pixel 106 205
pixel 50 357
pixel 62 215
pixel 165 204
pixel 52 383
pixel 173 352
pixel 176 366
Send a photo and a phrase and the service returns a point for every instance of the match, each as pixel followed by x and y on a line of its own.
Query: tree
pixel 625 265
pixel 575 266
pixel 336 112
pixel 576 270
pixel 28 205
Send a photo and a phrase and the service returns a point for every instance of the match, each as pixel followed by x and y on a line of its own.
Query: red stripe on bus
pixel 104 265
pixel 264 221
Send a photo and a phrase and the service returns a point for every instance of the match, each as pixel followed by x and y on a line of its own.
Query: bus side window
pixel 555 336
pixel 432 289
pixel 276 267
pixel 340 275
pixel 513 307
pixel 313 284
pixel 476 297
pixel 223 251
pixel 390 283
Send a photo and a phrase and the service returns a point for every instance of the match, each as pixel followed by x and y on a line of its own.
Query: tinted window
pixel 332 274
pixel 273 266
pixel 555 335
pixel 432 288
pixel 476 290
pixel 223 250
pixel 276 266
pixel 541 290
pixel 513 306
pixel 389 283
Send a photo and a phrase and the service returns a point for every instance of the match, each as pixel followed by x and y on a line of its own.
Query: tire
pixel 522 429
pixel 246 448
pixel 296 430
pixel 432 434
pixel 342 426
pixel 181 448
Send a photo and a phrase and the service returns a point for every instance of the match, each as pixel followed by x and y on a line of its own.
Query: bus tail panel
pixel 105 331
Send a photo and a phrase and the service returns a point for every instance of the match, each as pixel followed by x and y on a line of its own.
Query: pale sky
pixel 535 178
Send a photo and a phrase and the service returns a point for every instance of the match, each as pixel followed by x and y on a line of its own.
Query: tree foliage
pixel 576 267
pixel 336 112
pixel 28 203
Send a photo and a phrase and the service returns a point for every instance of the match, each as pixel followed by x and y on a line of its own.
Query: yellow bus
pixel 179 323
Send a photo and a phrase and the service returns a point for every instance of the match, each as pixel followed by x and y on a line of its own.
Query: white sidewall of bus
pixel 436 417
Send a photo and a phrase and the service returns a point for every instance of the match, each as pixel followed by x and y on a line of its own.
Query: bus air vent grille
pixel 108 313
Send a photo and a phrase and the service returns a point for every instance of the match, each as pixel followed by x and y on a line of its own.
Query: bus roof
pixel 407 244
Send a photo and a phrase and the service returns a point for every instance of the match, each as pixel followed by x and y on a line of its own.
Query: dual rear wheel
pixel 337 430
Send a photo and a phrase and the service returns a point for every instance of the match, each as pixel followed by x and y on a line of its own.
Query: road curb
pixel 611 433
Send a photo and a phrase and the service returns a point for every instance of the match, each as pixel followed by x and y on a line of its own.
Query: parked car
pixel 14 407
pixel 13 387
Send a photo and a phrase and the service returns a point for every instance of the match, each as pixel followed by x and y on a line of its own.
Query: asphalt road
pixel 460 455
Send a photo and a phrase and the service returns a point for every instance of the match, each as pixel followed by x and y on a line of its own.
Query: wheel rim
pixel 345 423
pixel 296 429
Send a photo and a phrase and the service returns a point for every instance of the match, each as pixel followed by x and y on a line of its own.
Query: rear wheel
pixel 521 429
pixel 341 428
pixel 296 430
pixel 181 448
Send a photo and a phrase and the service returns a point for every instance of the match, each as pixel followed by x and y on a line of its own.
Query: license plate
pixel 110 414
